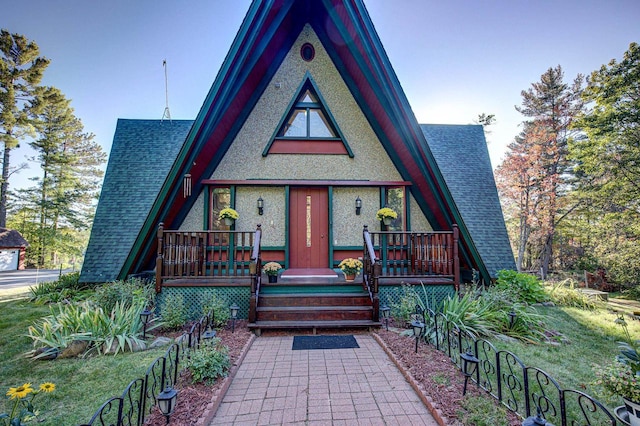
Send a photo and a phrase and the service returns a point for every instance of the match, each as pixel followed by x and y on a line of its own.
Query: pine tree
pixel 21 70
pixel 70 161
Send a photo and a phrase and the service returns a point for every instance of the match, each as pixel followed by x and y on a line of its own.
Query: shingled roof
pixel 141 156
pixel 10 238
pixel 462 156
pixel 143 151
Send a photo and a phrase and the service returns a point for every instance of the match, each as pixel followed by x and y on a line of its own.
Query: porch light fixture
pixel 535 421
pixel 418 326
pixel 358 205
pixel 234 315
pixel 260 206
pixel 385 311
pixel 512 318
pixel 144 317
pixel 167 401
pixel 469 366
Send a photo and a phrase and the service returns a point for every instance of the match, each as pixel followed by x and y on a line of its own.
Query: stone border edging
pixel 426 400
pixel 212 407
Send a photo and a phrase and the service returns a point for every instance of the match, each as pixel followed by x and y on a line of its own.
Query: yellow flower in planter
pixel 228 213
pixel 272 268
pixel 350 266
pixel 386 213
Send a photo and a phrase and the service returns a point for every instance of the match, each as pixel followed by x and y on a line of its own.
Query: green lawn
pixel 592 342
pixel 82 385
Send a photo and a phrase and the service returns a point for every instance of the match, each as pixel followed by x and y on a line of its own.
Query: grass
pixel 82 385
pixel 592 338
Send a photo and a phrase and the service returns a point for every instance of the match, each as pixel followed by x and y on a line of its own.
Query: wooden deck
pixel 307 298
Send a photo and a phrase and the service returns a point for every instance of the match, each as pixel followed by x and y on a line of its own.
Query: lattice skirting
pixel 432 295
pixel 194 296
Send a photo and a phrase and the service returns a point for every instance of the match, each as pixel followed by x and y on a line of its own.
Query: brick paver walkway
pixel 276 385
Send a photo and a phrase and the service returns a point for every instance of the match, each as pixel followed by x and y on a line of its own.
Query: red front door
pixel 309 227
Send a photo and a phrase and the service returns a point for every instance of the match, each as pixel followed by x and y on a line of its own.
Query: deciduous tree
pixel 534 174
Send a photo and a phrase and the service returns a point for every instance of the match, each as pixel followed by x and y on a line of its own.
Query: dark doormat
pixel 301 343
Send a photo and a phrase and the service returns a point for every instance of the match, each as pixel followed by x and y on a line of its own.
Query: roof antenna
pixel 166 114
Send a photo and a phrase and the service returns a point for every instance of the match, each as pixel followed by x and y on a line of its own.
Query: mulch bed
pixel 440 381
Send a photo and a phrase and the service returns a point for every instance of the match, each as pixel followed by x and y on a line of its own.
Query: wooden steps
pixel 313 305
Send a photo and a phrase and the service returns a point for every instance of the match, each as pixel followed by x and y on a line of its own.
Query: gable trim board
pixel 267 34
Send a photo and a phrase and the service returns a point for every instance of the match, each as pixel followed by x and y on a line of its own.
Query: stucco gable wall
pixel 244 158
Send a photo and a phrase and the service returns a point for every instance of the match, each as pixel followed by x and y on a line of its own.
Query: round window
pixel 307 52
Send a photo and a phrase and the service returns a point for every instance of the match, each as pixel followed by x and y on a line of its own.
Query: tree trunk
pixel 522 244
pixel 4 187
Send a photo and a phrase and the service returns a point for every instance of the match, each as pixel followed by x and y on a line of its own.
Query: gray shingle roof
pixel 10 238
pixel 462 156
pixel 141 156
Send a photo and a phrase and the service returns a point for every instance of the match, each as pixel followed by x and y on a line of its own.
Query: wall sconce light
pixel 358 205
pixel 167 401
pixel 260 206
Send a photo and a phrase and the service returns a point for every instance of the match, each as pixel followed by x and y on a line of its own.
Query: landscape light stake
pixel 234 315
pixel 167 401
pixel 418 326
pixel 512 318
pixel 538 420
pixel 469 366
pixel 144 317
pixel 385 310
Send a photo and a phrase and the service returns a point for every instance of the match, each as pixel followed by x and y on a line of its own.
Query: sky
pixel 454 59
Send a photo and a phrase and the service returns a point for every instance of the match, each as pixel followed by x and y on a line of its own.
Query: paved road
pixel 20 281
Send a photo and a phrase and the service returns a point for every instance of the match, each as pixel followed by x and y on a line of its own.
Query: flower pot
pixel 349 277
pixel 273 278
pixel 387 221
pixel 634 412
pixel 228 221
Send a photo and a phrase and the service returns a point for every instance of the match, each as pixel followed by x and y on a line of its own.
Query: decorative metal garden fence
pixel 525 390
pixel 141 395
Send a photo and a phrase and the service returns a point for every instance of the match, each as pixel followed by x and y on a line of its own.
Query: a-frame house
pixel 307 132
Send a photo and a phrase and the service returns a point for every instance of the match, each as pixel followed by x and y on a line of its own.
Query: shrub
pixel 173 312
pixel 209 362
pixel 67 287
pixel 524 287
pixel 402 311
pixel 565 293
pixel 129 292
pixel 220 308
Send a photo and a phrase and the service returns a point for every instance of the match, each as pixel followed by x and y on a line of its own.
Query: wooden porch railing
pixel 207 254
pixel 420 255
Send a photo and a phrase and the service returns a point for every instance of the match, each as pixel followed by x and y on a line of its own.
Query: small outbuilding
pixel 12 250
